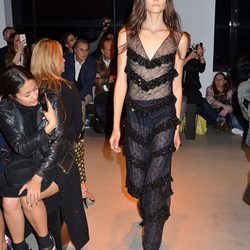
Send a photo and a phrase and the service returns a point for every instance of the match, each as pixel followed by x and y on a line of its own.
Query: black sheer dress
pixel 150 126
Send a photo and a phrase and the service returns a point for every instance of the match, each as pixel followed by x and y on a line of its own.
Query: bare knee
pixel 11 205
pixel 25 206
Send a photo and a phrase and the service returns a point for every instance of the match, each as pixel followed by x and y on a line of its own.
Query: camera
pixel 106 23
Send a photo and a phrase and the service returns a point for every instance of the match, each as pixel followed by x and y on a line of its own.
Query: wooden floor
pixel 207 213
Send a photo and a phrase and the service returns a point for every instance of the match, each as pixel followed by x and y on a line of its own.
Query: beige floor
pixel 210 174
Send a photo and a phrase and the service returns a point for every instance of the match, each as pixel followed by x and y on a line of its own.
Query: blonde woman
pixel 47 65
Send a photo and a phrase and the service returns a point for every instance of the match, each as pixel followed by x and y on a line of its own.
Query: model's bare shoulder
pixel 122 40
pixel 122 35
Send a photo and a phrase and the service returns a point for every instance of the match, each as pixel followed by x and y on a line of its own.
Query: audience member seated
pixel 105 78
pixel 218 105
pixel 68 40
pixel 17 53
pixel 80 68
pixel 6 34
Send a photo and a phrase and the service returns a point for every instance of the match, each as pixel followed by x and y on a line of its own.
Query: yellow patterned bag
pixel 201 125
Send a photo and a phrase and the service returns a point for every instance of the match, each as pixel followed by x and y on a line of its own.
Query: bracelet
pixel 201 56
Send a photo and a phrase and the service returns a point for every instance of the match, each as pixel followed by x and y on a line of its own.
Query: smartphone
pixel 23 39
pixel 201 44
pixel 42 98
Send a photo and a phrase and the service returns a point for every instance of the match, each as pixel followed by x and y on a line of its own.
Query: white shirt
pixel 78 67
pixel 107 62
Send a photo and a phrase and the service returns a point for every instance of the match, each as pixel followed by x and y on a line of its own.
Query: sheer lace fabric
pixel 150 79
pixel 150 127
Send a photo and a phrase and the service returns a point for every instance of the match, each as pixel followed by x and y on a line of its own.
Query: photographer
pixel 194 64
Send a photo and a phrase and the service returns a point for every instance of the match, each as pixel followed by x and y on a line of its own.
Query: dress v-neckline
pixel 150 59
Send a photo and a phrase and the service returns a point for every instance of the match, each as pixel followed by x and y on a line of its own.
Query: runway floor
pixel 207 213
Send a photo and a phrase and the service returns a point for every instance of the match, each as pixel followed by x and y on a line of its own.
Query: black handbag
pixel 20 170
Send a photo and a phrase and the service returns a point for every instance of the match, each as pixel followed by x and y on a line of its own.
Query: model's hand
pixel 33 190
pixel 177 139
pixel 114 140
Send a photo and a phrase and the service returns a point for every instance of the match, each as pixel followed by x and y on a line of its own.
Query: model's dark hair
pixel 226 86
pixel 13 78
pixel 243 68
pixel 138 16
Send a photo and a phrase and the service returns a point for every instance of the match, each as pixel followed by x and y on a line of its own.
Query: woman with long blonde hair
pixel 150 64
pixel 47 65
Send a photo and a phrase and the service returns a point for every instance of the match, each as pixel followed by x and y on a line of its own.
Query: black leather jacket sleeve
pixel 56 144
pixel 12 127
pixel 39 144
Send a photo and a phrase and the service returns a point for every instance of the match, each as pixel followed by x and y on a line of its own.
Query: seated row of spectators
pixel 91 75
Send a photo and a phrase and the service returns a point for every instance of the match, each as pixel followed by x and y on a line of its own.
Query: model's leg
pixel 154 221
pixel 157 186
pixel 152 235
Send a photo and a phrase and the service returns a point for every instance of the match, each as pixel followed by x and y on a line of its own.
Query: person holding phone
pixel 194 64
pixel 18 53
pixel 31 134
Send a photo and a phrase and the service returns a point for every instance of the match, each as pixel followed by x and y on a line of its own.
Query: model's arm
pixel 120 91
pixel 177 83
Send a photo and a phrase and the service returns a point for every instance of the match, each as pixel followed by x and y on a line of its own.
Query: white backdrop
pixel 5 18
pixel 198 18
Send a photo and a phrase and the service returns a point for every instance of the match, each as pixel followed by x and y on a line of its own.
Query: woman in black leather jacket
pixel 47 65
pixel 30 133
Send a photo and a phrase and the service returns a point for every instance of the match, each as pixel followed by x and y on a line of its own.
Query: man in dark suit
pixel 80 68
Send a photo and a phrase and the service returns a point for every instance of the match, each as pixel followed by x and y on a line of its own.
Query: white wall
pixel 198 17
pixel 2 22
pixel 5 18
